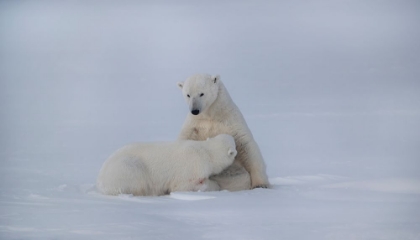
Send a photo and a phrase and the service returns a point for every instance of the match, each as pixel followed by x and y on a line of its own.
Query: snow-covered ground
pixel 330 89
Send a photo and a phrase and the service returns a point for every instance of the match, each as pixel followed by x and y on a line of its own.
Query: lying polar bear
pixel 153 169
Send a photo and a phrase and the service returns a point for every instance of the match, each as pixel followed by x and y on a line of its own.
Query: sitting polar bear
pixel 213 112
pixel 153 169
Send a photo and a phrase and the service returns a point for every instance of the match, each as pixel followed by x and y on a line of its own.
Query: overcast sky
pixel 69 67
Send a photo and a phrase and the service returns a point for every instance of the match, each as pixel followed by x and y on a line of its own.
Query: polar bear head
pixel 200 91
pixel 223 148
pixel 227 143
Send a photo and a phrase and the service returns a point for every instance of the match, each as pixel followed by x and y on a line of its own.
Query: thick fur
pixel 213 112
pixel 153 169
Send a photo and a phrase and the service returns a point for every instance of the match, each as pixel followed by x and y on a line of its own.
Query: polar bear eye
pixel 188 95
pixel 201 94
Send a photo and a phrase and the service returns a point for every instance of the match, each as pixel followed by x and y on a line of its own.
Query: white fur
pixel 152 169
pixel 213 112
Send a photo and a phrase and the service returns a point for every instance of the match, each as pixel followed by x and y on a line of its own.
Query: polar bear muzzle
pixel 196 106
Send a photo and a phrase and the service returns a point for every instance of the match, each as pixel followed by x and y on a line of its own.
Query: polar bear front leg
pixel 233 178
pixel 254 164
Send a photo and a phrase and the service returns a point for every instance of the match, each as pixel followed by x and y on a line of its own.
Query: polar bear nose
pixel 195 112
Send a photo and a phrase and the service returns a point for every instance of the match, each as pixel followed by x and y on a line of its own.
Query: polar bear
pixel 153 169
pixel 213 112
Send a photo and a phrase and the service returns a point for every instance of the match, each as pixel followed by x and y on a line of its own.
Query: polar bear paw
pixel 259 182
pixel 262 186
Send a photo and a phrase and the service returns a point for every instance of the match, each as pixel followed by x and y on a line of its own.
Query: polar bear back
pixel 131 170
pixel 162 167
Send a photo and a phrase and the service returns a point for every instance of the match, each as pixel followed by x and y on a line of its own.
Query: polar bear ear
pixel 180 84
pixel 215 78
pixel 232 152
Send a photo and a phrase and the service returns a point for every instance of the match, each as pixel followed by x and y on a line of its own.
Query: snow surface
pixel 330 89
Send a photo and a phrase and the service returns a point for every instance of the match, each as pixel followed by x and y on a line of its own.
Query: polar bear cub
pixel 153 169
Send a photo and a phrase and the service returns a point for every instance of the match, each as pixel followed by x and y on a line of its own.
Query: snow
pixel 330 90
